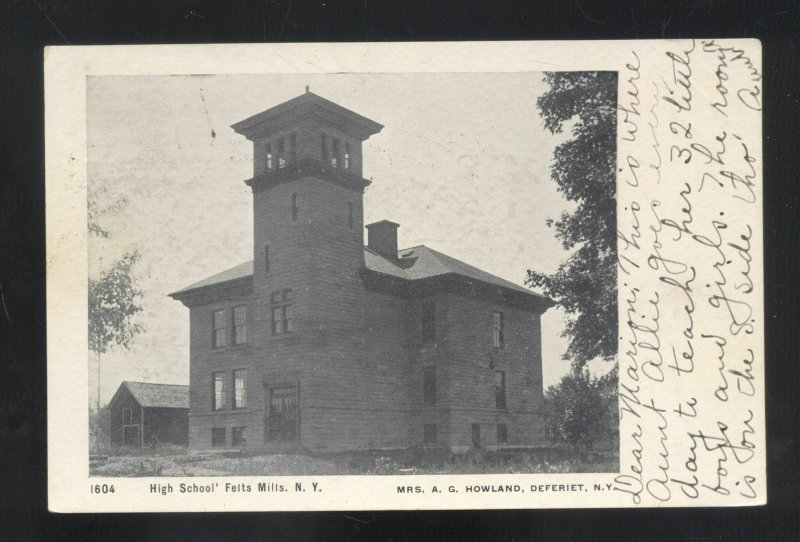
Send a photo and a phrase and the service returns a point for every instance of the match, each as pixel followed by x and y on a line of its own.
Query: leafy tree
pixel 582 410
pixel 98 429
pixel 114 301
pixel 608 386
pixel 585 284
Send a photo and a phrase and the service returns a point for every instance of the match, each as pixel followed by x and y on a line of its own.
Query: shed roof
pixel 415 263
pixel 152 395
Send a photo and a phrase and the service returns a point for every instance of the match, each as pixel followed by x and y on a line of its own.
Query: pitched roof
pixel 157 395
pixel 305 103
pixel 415 263
pixel 430 263
pixel 241 271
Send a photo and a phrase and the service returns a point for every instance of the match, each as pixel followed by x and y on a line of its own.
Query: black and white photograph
pixel 352 274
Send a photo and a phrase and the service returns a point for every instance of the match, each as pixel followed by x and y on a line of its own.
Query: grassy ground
pixel 176 462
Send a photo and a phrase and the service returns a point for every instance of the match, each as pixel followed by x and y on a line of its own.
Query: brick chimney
pixel 382 238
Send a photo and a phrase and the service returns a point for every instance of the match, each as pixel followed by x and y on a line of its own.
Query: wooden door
pixel 130 435
pixel 282 418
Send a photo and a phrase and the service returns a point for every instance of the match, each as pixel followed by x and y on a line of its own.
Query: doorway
pixel 282 416
pixel 130 436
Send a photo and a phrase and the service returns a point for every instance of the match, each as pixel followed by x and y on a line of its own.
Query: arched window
pixel 347 156
pixel 324 148
pixel 270 164
pixel 294 207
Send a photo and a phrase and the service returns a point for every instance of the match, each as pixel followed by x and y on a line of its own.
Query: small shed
pixel 143 412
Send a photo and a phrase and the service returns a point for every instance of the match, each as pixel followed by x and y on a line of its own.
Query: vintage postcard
pixel 405 276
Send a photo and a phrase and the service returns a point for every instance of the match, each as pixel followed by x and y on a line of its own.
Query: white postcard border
pixel 648 63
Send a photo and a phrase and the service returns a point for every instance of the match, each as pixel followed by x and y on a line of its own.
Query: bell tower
pixel 305 128
pixel 308 191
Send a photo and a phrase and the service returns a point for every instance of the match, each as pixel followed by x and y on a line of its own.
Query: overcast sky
pixel 462 165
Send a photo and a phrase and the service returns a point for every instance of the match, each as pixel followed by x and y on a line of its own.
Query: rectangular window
pixel 288 320
pixel 281 153
pixel 217 436
pixel 335 153
pixel 270 163
pixel 294 207
pixel 428 322
pixel 500 389
pixel 324 148
pixel 429 385
pixel 347 156
pixel 429 433
pixel 240 324
pixel 282 314
pixel 476 434
pixel 350 214
pixel 502 433
pixel 219 391
pixel 277 321
pixel 238 436
pixel 127 416
pixel 498 331
pixel 293 147
pixel 240 388
pixel 219 338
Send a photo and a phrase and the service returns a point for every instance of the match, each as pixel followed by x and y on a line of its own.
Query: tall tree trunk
pixel 98 386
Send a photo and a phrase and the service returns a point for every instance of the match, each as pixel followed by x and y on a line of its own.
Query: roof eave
pixel 307 167
pixel 185 294
pixel 254 126
pixel 403 287
pixel 123 384
pixel 532 300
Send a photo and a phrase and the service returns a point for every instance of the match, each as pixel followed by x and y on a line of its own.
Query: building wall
pixel 468 385
pixel 360 394
pixel 205 360
pixel 166 426
pixel 123 401
pixel 318 256
pixel 424 354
